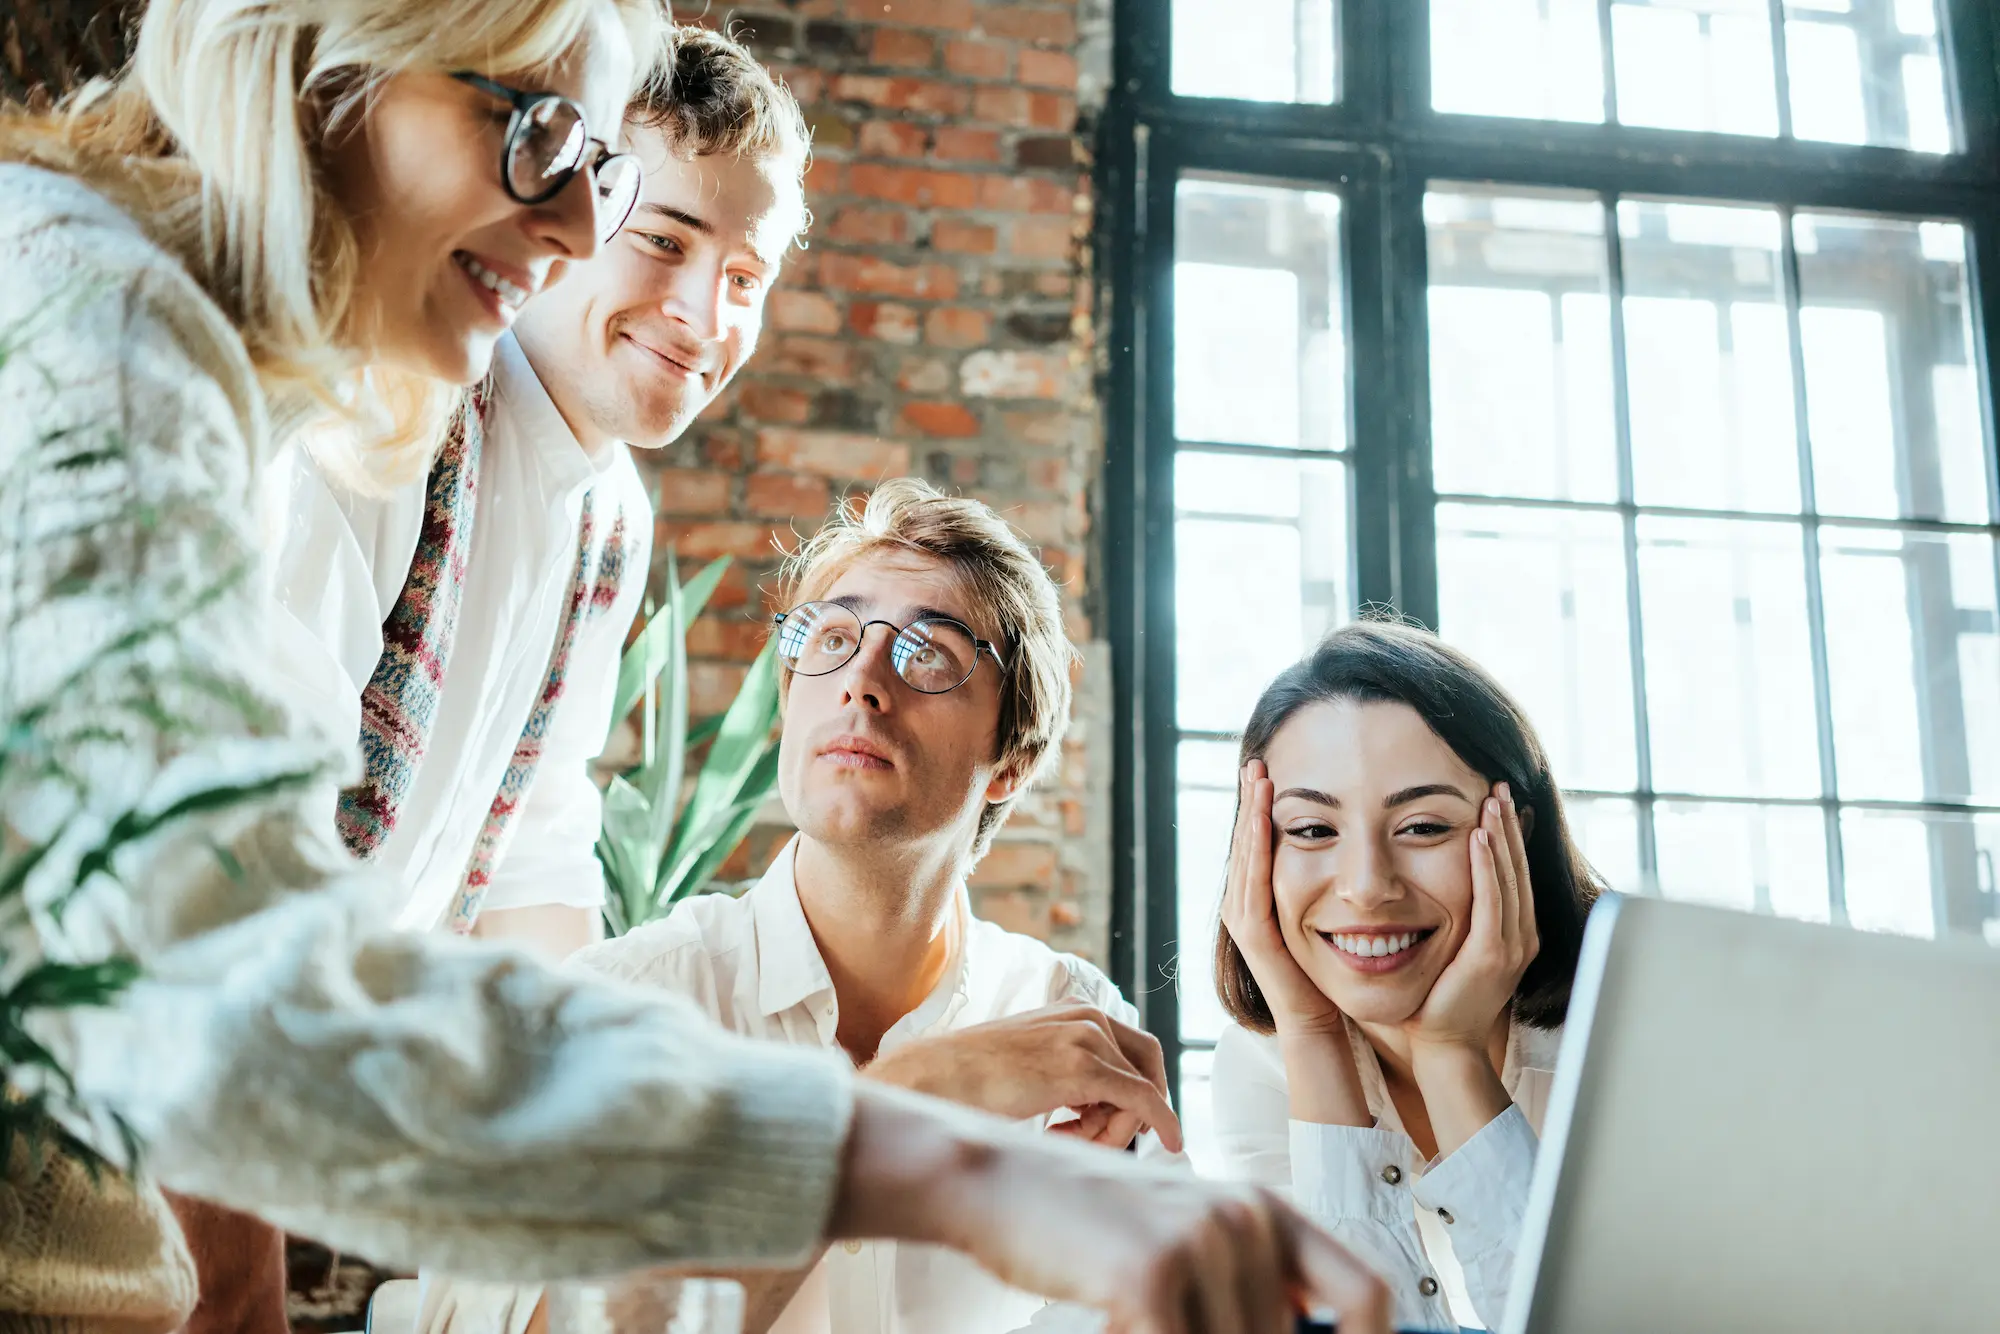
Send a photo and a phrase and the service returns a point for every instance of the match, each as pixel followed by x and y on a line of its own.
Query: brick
pixel 979 60
pixel 915 186
pixel 733 590
pixel 1047 427
pixel 954 143
pixel 831 131
pixel 1052 111
pixel 1042 520
pixel 731 638
pixel 691 491
pixel 880 277
pixel 1040 238
pixel 886 320
pixel 807 85
pixel 836 43
pixel 1030 23
pixel 923 375
pixel 776 495
pixel 827 360
pixel 712 687
pixel 901 93
pixel 707 539
pixel 858 225
pixel 1027 194
pixel 832 453
pixel 963 238
pixel 957 326
pixel 776 404
pixel 794 311
pixel 724 447
pixel 947 420
pixel 1022 912
pixel 823 178
pixel 894 138
pixel 956 15
pixel 996 374
pixel 1046 69
pixel 899 46
pixel 1001 106
pixel 1043 327
pixel 1014 862
pixel 1045 152
pixel 847 410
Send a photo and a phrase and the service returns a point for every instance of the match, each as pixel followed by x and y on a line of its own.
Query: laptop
pixel 1769 1126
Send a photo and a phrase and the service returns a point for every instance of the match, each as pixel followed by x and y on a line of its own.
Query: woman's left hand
pixel 1477 986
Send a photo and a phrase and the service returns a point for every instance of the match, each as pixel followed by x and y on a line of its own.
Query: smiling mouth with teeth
pixel 512 295
pixel 1373 946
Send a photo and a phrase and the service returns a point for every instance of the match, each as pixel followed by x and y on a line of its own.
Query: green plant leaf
pixel 705 830
pixel 739 743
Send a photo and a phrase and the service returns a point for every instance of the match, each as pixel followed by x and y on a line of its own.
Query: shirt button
pixel 1428 1286
pixel 853 1247
pixel 1445 1214
pixel 1392 1174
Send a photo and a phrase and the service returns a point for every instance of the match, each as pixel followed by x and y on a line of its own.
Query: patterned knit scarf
pixel 400 702
pixel 589 596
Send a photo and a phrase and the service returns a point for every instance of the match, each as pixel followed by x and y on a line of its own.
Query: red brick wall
pixel 938 324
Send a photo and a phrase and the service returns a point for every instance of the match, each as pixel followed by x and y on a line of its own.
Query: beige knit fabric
pixel 86 1256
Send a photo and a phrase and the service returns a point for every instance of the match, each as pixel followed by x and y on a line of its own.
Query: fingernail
pixel 1506 792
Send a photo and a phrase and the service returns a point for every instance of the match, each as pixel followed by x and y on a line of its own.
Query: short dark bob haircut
pixel 1380 660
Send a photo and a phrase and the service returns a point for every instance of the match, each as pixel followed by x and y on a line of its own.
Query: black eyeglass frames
pixel 546 149
pixel 932 656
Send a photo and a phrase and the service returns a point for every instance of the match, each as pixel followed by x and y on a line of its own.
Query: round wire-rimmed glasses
pixel 932 655
pixel 545 150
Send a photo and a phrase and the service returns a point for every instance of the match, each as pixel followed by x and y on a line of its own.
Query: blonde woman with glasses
pixel 312 219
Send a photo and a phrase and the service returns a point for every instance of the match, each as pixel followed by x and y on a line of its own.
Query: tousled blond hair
pixel 1005 581
pixel 211 140
pixel 714 97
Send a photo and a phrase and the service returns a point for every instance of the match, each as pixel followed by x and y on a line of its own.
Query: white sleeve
pixel 1480 1191
pixel 415 1098
pixel 1354 1181
pixel 551 857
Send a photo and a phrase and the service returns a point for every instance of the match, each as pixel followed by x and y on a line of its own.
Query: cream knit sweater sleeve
pixel 416 1099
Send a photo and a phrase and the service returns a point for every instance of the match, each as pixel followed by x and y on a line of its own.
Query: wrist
pixel 1447 1059
pixel 911 1170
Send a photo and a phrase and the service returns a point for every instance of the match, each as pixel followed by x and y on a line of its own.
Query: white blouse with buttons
pixel 1442 1233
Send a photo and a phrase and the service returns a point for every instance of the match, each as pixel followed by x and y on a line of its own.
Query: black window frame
pixel 1381 145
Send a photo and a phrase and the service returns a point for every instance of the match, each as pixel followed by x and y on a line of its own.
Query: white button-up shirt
pixel 341 560
pixel 1443 1234
pixel 753 964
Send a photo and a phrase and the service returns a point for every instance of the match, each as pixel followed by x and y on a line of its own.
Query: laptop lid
pixel 1768 1125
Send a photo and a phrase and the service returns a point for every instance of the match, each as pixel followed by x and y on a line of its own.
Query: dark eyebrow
pixel 1390 802
pixel 684 218
pixel 1410 794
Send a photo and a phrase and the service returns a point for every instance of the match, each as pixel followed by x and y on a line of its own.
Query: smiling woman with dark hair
pixel 1402 918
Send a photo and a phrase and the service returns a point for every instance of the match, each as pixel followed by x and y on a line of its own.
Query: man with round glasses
pixel 926 685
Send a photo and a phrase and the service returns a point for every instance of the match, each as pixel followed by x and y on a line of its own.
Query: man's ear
pixel 1007 781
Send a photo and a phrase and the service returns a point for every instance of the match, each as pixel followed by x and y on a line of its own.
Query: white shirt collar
pixel 529 415
pixel 791 971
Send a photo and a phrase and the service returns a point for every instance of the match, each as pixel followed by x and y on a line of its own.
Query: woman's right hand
pixel 1250 915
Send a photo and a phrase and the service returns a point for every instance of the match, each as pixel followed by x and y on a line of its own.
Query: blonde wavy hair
pixel 210 139
pixel 1004 579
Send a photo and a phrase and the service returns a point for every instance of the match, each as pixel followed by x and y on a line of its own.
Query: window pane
pixel 1695 65
pixel 1520 340
pixel 1197 1111
pixel 1867 72
pixel 1729 681
pixel 1891 396
pixel 1203 819
pixel 1607 829
pixel 1259 320
pixel 1737 855
pixel 1252 595
pixel 1538 597
pixel 1537 59
pixel 1708 357
pixel 1914 667
pixel 1258 50
pixel 1911 873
